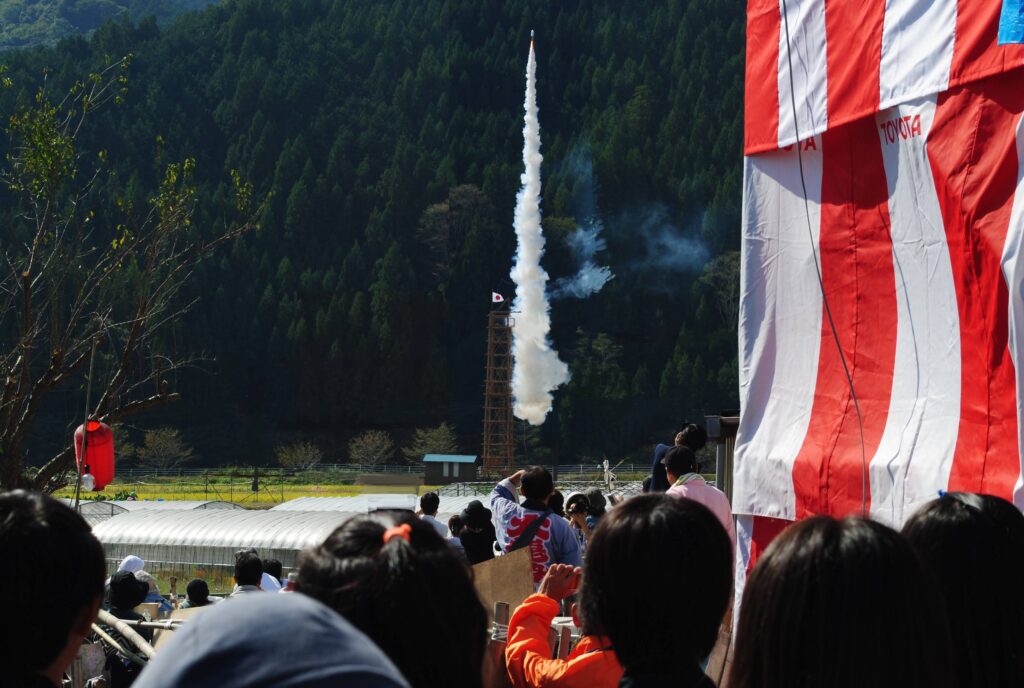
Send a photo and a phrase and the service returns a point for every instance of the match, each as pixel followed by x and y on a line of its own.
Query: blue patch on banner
pixel 1011 22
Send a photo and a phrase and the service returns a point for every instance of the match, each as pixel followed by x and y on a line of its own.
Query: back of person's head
pixel 248 568
pixel 693 436
pixel 127 591
pixel 537 483
pixel 656 581
pixel 840 603
pixel 430 503
pixel 54 571
pixel 556 502
pixel 198 592
pixel 273 567
pixel 382 569
pixel 149 579
pixel 680 461
pixel 577 504
pixel 974 545
pixel 269 641
pixel 597 501
pixel 455 525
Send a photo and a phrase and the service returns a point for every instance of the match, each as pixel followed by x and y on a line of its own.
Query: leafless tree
pixel 69 282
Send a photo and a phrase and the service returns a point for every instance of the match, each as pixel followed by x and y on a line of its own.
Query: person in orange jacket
pixel 591 664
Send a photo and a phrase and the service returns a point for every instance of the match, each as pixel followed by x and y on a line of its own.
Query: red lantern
pixel 99 452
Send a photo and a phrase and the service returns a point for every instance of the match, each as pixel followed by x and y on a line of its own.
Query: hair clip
pixel 942 493
pixel 401 531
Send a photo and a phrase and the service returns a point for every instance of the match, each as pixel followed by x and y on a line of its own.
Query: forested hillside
pixel 33 22
pixel 388 138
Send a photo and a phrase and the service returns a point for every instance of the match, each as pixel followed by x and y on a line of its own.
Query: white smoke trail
pixel 537 370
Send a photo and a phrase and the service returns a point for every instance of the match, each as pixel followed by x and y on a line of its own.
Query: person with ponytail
pixel 393 577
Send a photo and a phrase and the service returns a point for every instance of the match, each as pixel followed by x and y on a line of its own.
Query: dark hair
pixel 974 545
pixel 248 568
pixel 455 525
pixel 578 503
pixel 556 502
pixel 430 503
pixel 643 551
pixel 54 569
pixel 379 586
pixel 840 603
pixel 693 436
pixel 537 483
pixel 680 461
pixel 198 592
pixel 273 567
pixel 597 501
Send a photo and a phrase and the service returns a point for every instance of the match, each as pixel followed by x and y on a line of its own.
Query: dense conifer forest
pixel 387 139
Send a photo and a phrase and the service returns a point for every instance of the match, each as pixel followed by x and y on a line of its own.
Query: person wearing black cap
pixel 126 593
pixel 478 534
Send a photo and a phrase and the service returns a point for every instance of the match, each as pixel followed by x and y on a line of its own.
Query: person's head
pixel 127 591
pixel 475 516
pixel 198 592
pixel 597 501
pixel 150 580
pixel 840 603
pixel 273 567
pixel 656 581
pixel 248 568
pixel 55 571
pixel 455 525
pixel 430 503
pixel 974 545
pixel 537 484
pixel 679 461
pixel 382 569
pixel 577 504
pixel 285 641
pixel 693 436
pixel 556 502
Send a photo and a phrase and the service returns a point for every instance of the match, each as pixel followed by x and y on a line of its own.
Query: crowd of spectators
pixel 388 599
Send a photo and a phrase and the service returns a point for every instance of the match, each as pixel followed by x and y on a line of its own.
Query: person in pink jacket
pixel 681 465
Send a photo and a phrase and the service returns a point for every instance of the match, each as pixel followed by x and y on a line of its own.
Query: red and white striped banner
pixel 852 59
pixel 917 218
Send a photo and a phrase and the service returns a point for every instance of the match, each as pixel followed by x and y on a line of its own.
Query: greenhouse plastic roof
pixel 210 537
pixel 364 504
pixel 174 504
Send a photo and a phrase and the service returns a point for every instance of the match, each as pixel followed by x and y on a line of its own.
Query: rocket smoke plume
pixel 537 370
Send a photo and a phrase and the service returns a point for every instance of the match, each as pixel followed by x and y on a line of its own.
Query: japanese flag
pixel 497 298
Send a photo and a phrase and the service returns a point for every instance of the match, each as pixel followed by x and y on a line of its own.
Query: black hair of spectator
pixel 597 502
pixel 198 592
pixel 577 503
pixel 455 525
pixel 648 556
pixel 273 567
pixel 693 436
pixel 841 603
pixel 248 568
pixel 680 461
pixel 556 502
pixel 430 503
pixel 54 568
pixel 379 586
pixel 537 483
pixel 974 545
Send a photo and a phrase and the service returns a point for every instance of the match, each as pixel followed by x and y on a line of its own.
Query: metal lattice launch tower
pixel 499 425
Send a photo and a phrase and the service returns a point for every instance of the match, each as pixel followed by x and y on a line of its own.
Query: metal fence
pixel 342 468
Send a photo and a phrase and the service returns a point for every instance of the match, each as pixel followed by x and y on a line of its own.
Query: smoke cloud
pixel 585 243
pixel 537 369
pixel 666 245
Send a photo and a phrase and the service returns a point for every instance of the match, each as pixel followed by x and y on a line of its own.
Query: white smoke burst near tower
pixel 537 369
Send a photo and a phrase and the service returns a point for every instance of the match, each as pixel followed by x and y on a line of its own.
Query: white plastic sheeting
pixel 364 504
pixel 210 537
pixel 174 504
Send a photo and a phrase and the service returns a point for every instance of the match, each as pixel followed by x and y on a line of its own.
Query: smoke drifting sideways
pixel 537 371
pixel 585 243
